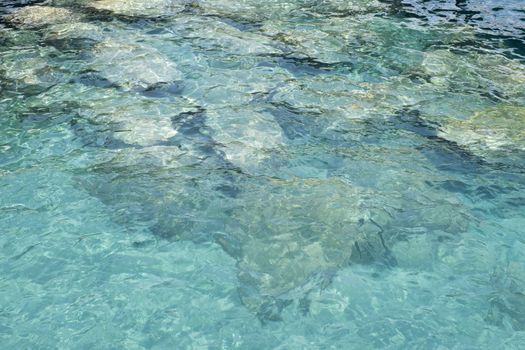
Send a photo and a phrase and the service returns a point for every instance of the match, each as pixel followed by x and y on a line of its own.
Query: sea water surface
pixel 282 174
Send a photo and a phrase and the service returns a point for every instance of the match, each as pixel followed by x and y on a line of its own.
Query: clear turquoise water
pixel 221 174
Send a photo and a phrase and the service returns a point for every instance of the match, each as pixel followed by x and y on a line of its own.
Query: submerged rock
pixel 112 119
pixel 294 231
pixel 23 66
pixel 71 32
pixel 295 234
pixel 370 47
pixel 245 137
pixel 134 121
pixel 214 34
pixel 39 16
pixel 133 65
pixel 485 74
pixel 319 41
pixel 31 69
pixel 489 132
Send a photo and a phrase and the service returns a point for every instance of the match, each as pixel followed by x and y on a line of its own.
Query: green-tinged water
pixel 216 174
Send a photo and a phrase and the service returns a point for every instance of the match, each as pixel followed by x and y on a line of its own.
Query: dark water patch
pixel 510 46
pixel 143 244
pixel 242 25
pixel 493 94
pixel 482 43
pixel 193 131
pixel 192 123
pixel 304 65
pixel 157 31
pixel 455 186
pixel 444 154
pixel 510 308
pixel 98 15
pixel 291 121
pixel 448 155
pixel 398 8
pixel 517 202
pixel 306 127
pixel 72 45
pixel 271 310
pixel 154 91
pixel 91 78
pixel 48 115
pixel 98 135
pixel 161 90
pixel 517 47
pixel 502 22
pixel 137 22
pixel 12 88
pixel 373 250
pixel 485 194
pixel 411 120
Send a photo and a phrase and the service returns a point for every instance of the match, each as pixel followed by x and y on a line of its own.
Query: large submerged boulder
pixel 32 69
pixel 246 137
pixel 39 16
pixel 131 120
pixel 67 34
pixel 216 35
pixel 484 74
pixel 491 134
pixel 132 65
pixel 295 234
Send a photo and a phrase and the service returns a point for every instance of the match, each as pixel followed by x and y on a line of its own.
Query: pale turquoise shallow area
pixel 217 174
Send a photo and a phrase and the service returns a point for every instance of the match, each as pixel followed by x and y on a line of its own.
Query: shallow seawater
pixel 216 174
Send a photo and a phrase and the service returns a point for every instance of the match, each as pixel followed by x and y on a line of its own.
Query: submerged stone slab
pixel 138 124
pixel 39 16
pixel 294 231
pixel 32 69
pixel 245 136
pixel 222 37
pixel 130 120
pixel 132 65
pixel 75 31
pixel 485 74
pixel 497 129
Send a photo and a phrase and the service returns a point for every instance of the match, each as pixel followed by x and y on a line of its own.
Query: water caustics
pixel 216 174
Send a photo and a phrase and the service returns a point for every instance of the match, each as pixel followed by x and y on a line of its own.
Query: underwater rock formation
pixel 494 133
pixel 279 140
pixel 38 16
pixel 132 66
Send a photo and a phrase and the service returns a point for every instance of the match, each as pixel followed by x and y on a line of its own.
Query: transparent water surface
pixel 217 174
